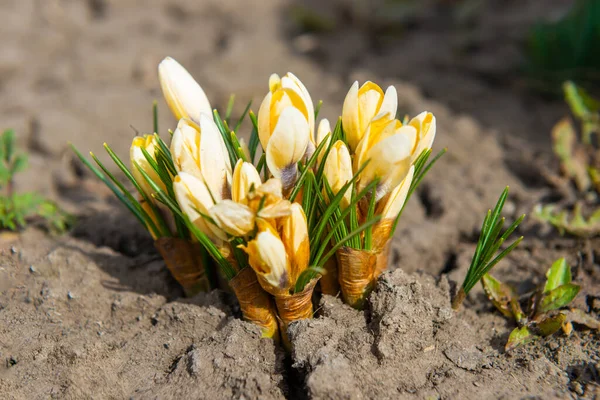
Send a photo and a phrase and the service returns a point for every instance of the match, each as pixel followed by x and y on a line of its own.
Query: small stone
pixel 553 345
pixel 70 296
pixel 13 249
pixel 166 346
pixel 154 321
pixel 138 318
pixel 100 333
pixel 32 269
pixel 11 361
pixel 476 384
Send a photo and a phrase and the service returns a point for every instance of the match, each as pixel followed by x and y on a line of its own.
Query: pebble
pixel 32 269
pixel 13 249
pixel 70 296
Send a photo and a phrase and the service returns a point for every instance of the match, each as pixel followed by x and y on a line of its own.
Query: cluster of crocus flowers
pixel 319 204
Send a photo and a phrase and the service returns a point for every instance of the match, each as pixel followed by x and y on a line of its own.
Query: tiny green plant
pixel 544 316
pixel 579 159
pixel 17 210
pixel 489 243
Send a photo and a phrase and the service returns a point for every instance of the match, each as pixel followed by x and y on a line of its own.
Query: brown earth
pixel 95 314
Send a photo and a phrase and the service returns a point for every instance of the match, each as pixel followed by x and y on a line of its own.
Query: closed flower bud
pixel 268 258
pixel 380 128
pixel 183 94
pixel 294 234
pixel 396 199
pixel 362 105
pixel 147 142
pixel 234 218
pixel 338 170
pixel 323 130
pixel 194 199
pixel 285 92
pixel 200 151
pixel 287 146
pixel 424 123
pixel 390 161
pixel 245 177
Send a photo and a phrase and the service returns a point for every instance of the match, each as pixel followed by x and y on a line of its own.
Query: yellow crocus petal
pixel 234 218
pixel 287 146
pixel 214 158
pixel 268 258
pixel 194 198
pixel 264 120
pixel 381 127
pixel 147 142
pixel 350 119
pixel 338 170
pixel 323 130
pixel 184 148
pixel 389 105
pixel 292 81
pixel 245 176
pixel 390 162
pixel 426 127
pixel 282 208
pixel 183 94
pixel 397 197
pixel 294 235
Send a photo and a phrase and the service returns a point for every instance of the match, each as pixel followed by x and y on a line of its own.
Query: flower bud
pixel 338 170
pixel 234 218
pixel 147 142
pixel 294 234
pixel 390 161
pixel 268 258
pixel 424 123
pixel 200 151
pixel 285 92
pixel 183 95
pixel 287 146
pixel 323 130
pixel 194 199
pixel 245 176
pixel 362 105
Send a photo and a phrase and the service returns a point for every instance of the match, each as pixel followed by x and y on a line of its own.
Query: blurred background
pixel 85 71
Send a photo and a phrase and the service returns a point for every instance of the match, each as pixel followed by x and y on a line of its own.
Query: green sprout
pixel 17 210
pixel 489 243
pixel 544 316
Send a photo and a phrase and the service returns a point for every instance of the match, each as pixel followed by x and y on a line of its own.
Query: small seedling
pixel 579 161
pixel 489 243
pixel 20 209
pixel 543 317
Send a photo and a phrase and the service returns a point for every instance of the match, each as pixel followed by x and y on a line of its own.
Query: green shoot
pixel 18 210
pixel 489 243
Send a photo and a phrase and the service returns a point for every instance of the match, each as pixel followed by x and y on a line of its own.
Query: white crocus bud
pixel 183 94
pixel 234 218
pixel 361 105
pixel 338 170
pixel 287 146
pixel 194 199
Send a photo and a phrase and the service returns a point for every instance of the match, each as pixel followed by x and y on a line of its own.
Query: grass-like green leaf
pixel 558 274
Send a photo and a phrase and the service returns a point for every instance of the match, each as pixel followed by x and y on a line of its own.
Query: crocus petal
pixel 338 170
pixel 294 234
pixel 279 209
pixel 136 156
pixel 323 130
pixel 234 218
pixel 350 119
pixel 184 148
pixel 245 176
pixel 213 158
pixel 287 145
pixel 389 161
pixel 397 197
pixel 183 94
pixel 194 198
